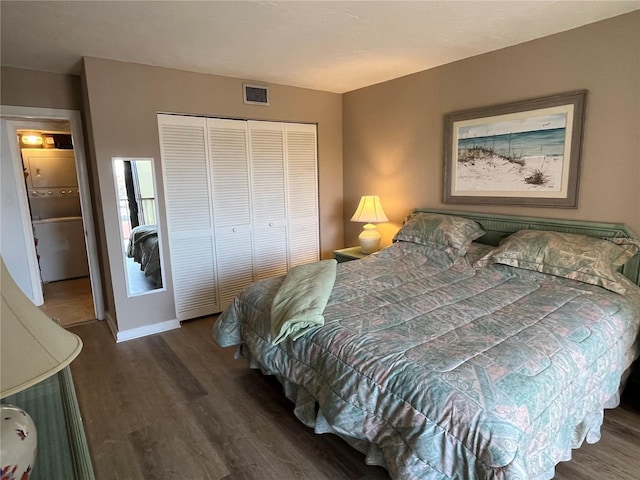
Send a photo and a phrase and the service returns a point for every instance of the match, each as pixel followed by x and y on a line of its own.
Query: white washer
pixel 61 248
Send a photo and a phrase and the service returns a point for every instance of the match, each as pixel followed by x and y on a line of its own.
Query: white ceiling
pixel 335 46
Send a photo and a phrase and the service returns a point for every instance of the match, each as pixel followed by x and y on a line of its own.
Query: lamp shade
pixel 33 347
pixel 369 210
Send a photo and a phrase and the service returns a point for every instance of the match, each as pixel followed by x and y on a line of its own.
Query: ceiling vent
pixel 255 94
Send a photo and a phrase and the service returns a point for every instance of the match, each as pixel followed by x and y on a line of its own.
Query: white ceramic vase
pixel 18 442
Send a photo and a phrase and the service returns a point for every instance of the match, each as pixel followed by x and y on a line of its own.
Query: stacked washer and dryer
pixel 56 216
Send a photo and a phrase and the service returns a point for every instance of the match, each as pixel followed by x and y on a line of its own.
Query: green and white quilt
pixel 438 370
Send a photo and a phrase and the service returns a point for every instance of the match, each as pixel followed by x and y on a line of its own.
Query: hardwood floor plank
pixel 240 452
pixel 195 347
pixel 175 405
pixel 173 367
pixel 176 450
pixel 121 460
pixel 71 301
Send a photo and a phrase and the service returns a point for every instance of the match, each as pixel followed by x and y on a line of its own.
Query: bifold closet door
pixel 268 193
pixel 302 193
pixel 185 169
pixel 230 174
pixel 242 205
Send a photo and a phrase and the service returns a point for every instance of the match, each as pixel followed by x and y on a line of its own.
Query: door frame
pixel 24 118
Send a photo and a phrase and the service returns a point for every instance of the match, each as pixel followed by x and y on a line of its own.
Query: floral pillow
pixel 444 232
pixel 578 257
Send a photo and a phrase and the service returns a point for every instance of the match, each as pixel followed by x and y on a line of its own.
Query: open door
pixel 16 240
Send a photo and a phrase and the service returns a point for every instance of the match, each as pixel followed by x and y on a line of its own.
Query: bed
pixel 439 359
pixel 143 249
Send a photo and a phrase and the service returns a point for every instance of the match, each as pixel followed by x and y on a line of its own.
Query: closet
pixel 242 205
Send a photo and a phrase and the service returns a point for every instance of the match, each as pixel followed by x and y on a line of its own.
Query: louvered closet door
pixel 268 191
pixel 230 173
pixel 302 193
pixel 187 196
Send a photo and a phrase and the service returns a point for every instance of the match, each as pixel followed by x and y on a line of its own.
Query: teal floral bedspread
pixel 437 370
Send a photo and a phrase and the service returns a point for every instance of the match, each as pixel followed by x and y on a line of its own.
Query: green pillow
pixel 443 232
pixel 578 257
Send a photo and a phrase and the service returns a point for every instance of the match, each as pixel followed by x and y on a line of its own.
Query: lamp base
pixel 369 239
pixel 18 442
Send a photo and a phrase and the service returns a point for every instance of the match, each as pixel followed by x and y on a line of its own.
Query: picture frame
pixel 523 153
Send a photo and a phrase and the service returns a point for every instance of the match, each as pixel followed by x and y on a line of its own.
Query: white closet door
pixel 270 251
pixel 268 187
pixel 189 214
pixel 235 261
pixel 230 173
pixel 302 193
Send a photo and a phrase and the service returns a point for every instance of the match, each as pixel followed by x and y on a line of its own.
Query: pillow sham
pixel 578 257
pixel 444 232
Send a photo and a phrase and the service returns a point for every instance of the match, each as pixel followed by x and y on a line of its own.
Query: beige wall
pixel 123 100
pixel 31 88
pixel 393 132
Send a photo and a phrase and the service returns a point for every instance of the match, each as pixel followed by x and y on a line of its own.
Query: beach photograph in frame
pixel 524 153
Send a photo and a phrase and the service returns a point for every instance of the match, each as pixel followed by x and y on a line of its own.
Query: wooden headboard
pixel 501 226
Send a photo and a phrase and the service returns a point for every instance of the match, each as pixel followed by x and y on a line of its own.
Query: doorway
pixel 48 163
pixel 55 248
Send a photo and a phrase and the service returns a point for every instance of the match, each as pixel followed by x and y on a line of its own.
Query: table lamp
pixel 33 347
pixel 369 211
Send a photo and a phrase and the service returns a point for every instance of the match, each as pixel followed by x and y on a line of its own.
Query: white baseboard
pixel 147 330
pixel 132 333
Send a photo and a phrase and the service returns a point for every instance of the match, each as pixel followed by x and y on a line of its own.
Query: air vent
pixel 256 94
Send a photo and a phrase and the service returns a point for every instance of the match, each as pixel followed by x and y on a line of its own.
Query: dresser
pixel 63 453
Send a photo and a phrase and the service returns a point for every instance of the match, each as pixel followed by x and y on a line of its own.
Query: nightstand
pixel 348 254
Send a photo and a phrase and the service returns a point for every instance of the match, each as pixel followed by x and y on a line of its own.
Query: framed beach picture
pixel 525 153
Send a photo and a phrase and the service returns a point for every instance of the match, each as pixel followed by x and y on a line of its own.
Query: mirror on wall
pixel 137 214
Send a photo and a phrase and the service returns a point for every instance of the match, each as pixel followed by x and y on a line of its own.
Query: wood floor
pixel 70 301
pixel 176 406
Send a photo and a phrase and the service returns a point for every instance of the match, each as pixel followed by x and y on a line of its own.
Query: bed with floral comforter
pixel 438 369
pixel 143 248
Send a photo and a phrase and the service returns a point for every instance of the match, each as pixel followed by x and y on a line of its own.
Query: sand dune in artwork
pixel 497 173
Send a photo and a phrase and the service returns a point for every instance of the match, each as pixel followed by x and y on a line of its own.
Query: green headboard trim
pixel 501 226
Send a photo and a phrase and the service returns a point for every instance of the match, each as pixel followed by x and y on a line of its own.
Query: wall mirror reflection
pixel 137 210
